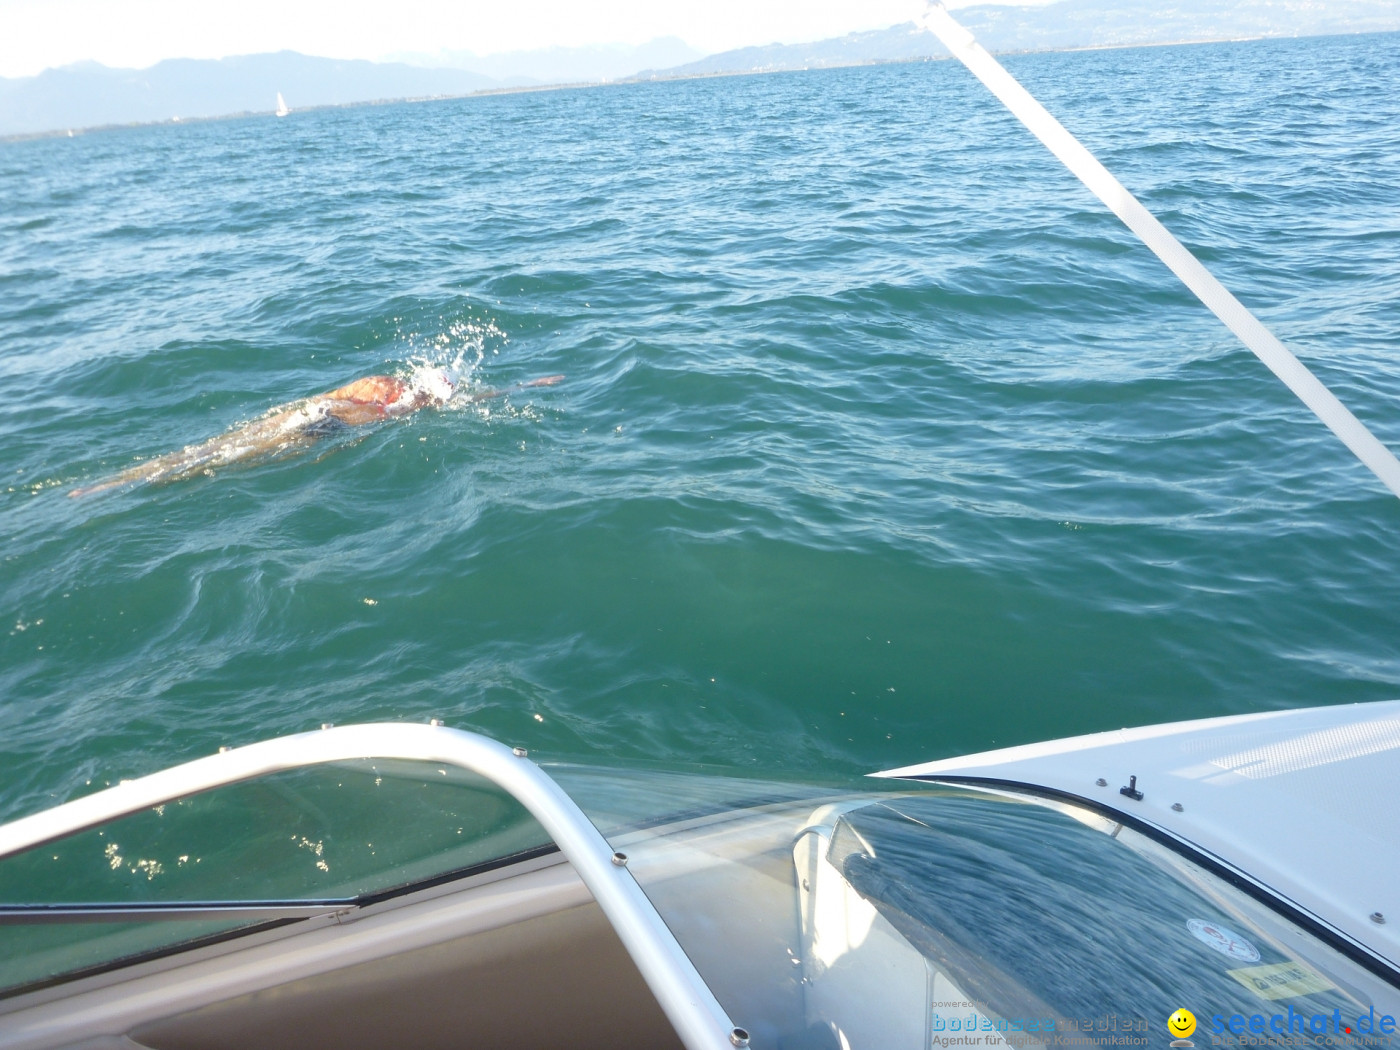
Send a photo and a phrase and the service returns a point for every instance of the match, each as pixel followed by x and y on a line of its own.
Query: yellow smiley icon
pixel 1182 1023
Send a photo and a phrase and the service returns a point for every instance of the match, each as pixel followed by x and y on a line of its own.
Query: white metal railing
pixel 687 1001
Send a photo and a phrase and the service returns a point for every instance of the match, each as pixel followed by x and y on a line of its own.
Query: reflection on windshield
pixel 1039 920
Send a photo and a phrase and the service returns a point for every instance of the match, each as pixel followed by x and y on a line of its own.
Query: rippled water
pixel 879 440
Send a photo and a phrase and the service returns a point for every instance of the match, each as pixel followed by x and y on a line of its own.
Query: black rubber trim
pixel 1362 956
pixel 494 864
pixel 164 911
pixel 140 957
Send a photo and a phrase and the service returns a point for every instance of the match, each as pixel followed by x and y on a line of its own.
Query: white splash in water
pixel 434 384
pixel 442 364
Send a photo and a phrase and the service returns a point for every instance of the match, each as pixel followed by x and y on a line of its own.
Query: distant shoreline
pixel 29 136
pixel 59 133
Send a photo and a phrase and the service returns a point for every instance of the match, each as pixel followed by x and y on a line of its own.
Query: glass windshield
pixel 349 832
pixel 1032 920
pixel 935 916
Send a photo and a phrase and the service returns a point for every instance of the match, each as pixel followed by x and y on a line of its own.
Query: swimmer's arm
pixel 486 395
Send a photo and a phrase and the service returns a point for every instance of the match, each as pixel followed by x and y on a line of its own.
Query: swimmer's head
pixel 431 386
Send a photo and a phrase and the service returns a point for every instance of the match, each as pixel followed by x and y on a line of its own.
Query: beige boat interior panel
pixel 558 980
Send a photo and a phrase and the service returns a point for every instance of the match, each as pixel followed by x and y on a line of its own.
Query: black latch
pixel 1131 790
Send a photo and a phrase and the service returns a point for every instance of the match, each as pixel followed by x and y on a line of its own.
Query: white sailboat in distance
pixel 282 109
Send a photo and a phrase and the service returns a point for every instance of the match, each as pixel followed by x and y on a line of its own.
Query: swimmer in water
pixel 287 428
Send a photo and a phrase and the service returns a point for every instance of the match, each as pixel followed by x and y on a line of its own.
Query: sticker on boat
pixel 1281 980
pixel 1224 940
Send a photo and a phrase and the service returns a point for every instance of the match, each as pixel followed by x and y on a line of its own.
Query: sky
pixel 38 34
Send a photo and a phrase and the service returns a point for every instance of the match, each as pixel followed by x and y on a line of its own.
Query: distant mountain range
pixel 91 95
pixel 1063 25
pixel 563 65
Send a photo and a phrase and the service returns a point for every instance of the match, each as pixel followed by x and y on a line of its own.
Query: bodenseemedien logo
pixel 1181 1024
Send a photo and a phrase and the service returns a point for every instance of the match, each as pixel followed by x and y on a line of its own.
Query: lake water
pixel 879 439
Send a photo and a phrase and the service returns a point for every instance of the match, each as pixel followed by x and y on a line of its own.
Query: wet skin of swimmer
pixel 300 423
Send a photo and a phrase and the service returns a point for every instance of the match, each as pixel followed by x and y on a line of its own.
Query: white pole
pixel 1250 330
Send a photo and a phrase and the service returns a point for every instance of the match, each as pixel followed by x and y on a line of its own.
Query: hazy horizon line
pixel 636 78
